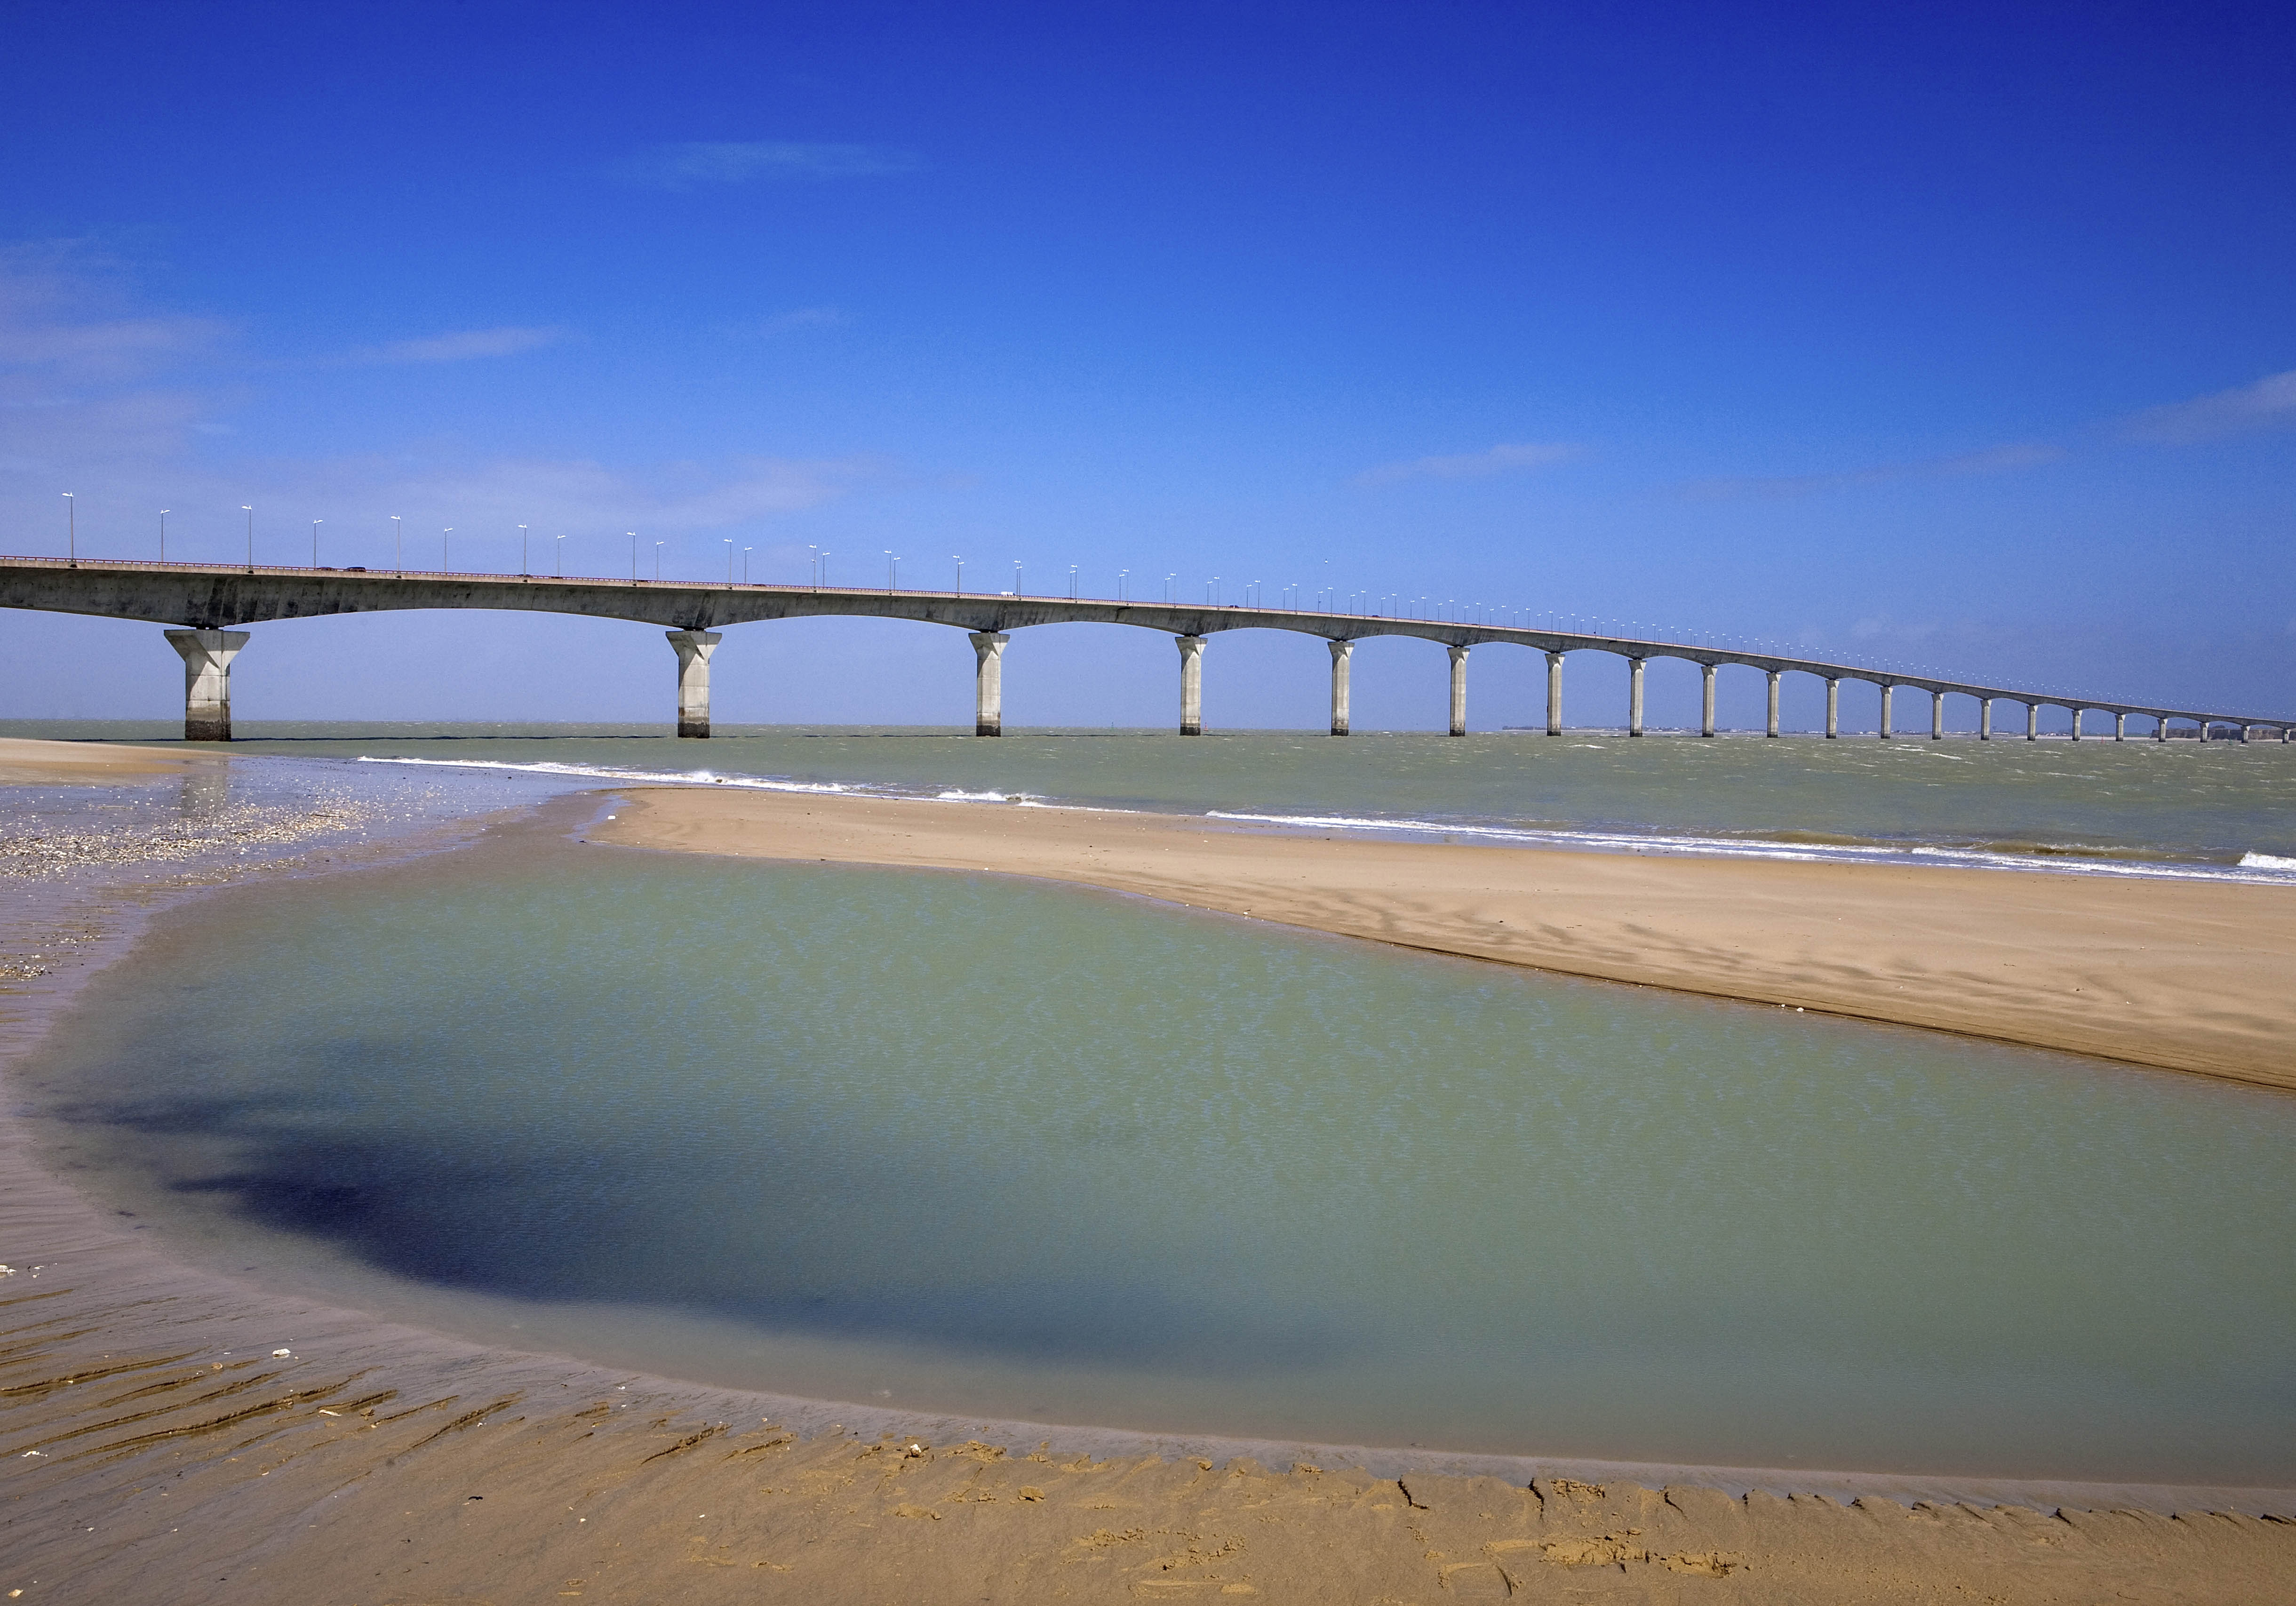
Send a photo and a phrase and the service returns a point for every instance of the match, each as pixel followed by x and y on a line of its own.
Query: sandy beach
pixel 2187 975
pixel 169 1433
pixel 25 761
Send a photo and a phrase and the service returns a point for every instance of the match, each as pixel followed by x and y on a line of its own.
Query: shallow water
pixel 977 1145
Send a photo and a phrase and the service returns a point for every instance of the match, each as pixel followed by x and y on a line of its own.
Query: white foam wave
pixel 2266 861
pixel 608 772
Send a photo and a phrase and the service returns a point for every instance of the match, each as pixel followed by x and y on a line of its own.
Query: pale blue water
pixel 971 1143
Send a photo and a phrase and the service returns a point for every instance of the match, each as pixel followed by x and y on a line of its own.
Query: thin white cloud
pixel 462 345
pixel 785 322
pixel 2261 405
pixel 696 164
pixel 1991 460
pixel 1502 459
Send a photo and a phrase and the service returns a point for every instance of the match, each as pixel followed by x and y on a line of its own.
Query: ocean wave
pixel 608 772
pixel 2266 861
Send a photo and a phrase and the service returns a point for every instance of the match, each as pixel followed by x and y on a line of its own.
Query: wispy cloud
pixel 694 165
pixel 1991 460
pixel 1504 459
pixel 2261 405
pixel 462 346
pixel 62 314
pixel 785 322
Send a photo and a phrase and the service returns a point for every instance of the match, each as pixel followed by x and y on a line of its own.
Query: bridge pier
pixel 1937 717
pixel 2032 722
pixel 207 680
pixel 2160 728
pixel 1706 700
pixel 1458 691
pixel 1192 685
pixel 1887 692
pixel 2204 732
pixel 693 650
pixel 1554 693
pixel 1985 719
pixel 1833 706
pixel 1634 697
pixel 2077 714
pixel 1341 652
pixel 988 682
pixel 1776 676
pixel 2121 728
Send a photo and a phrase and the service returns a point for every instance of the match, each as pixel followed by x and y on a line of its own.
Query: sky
pixel 1939 336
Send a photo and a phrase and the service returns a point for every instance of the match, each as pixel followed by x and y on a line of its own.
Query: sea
pixel 384 1031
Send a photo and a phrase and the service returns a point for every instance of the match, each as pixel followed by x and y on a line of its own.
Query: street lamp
pixel 445 567
pixel 315 541
pixel 1016 577
pixel 890 561
pixel 397 545
pixel 71 527
pixel 559 548
pixel 729 559
pixel 959 558
pixel 163 535
pixel 248 510
pixel 1119 582
pixel 814 564
pixel 521 550
pixel 745 565
pixel 657 562
pixel 1072 582
pixel 634 557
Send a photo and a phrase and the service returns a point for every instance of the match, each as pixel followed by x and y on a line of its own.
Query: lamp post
pixel 1119 582
pixel 249 509
pixel 1072 582
pixel 813 563
pixel 445 567
pixel 890 561
pixel 163 535
pixel 521 551
pixel 559 548
pixel 397 545
pixel 634 557
pixel 958 557
pixel 71 527
pixel 745 566
pixel 657 562
pixel 315 541
pixel 1167 589
pixel 729 559
pixel 1016 577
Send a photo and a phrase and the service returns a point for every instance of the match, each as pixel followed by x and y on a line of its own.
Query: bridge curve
pixel 207 603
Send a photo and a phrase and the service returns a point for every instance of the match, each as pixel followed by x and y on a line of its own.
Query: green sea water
pixel 970 1143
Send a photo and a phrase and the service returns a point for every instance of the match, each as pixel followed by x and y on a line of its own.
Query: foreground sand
pixel 2191 975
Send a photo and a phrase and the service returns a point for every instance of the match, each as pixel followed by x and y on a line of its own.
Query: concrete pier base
pixel 2077 733
pixel 1634 697
pixel 2203 733
pixel 1937 717
pixel 1775 675
pixel 988 682
pixel 2121 728
pixel 2160 727
pixel 1833 706
pixel 1341 652
pixel 1458 691
pixel 1554 693
pixel 207 680
pixel 1192 685
pixel 693 649
pixel 1985 719
pixel 2032 722
pixel 1888 691
pixel 1706 700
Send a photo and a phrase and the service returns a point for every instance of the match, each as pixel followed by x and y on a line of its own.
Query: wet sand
pixel 28 762
pixel 2192 976
pixel 156 1448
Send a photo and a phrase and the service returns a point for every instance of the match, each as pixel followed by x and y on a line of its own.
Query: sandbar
pixel 25 761
pixel 2187 975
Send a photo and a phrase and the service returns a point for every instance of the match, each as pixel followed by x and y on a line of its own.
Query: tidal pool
pixel 979 1145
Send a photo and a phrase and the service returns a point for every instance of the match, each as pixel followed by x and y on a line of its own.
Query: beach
pixel 2185 975
pixel 152 1427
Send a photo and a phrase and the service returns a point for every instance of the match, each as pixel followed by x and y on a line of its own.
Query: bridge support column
pixel 207 680
pixel 1985 719
pixel 2121 728
pixel 2204 732
pixel 1458 691
pixel 1937 717
pixel 1833 706
pixel 2032 722
pixel 988 682
pixel 1341 652
pixel 1706 700
pixel 2160 728
pixel 1554 693
pixel 1192 685
pixel 1887 692
pixel 1634 697
pixel 693 650
pixel 2077 714
pixel 1775 675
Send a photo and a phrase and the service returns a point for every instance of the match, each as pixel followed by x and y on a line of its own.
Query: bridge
pixel 206 601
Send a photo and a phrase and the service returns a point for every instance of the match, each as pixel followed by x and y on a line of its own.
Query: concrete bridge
pixel 207 601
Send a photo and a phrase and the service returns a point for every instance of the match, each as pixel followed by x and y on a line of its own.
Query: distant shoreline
pixel 2179 975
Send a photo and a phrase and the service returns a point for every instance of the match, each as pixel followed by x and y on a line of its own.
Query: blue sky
pixel 1952 336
